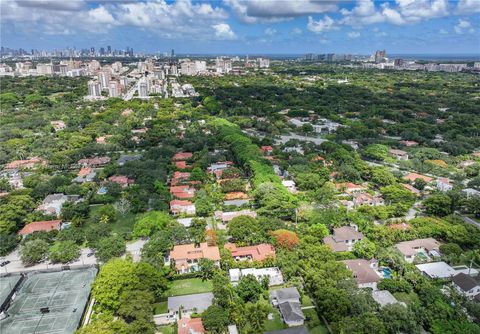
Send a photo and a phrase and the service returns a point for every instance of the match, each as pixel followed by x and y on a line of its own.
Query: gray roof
pixel 384 297
pixel 292 330
pixel 465 282
pixel 285 294
pixel 291 311
pixel 200 301
pixel 125 158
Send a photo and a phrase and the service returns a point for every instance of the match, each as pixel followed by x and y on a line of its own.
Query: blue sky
pixel 250 26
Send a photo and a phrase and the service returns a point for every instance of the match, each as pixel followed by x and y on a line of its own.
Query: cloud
pixel 323 25
pixel 297 31
pixel 253 11
pixel 353 34
pixel 443 31
pixel 400 12
pixel 181 18
pixel 223 31
pixel 468 7
pixel 463 26
pixel 270 31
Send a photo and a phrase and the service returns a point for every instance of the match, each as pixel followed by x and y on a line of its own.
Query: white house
pixel 466 285
pixel 274 275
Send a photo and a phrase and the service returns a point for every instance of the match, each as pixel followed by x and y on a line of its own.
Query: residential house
pixel 384 298
pixel 411 188
pixel 180 177
pixel 408 143
pixel 443 184
pixel 122 180
pixel 290 185
pixel 190 326
pixel 364 272
pixel 343 238
pixel 288 302
pixel 411 177
pixel 219 166
pixel 58 125
pixel 187 222
pixel 181 165
pixel 267 150
pixel 126 158
pixel 185 305
pixel 186 257
pixel 40 226
pixel 466 285
pixel 469 192
pixel 273 274
pixel 422 249
pixel 237 199
pixel 251 253
pixel 86 174
pixel 367 199
pixel 436 270
pixel 26 164
pixel 94 162
pixel 182 192
pixel 182 206
pixel 182 156
pixel 225 217
pixel 102 140
pixel 53 203
pixel 350 188
pixel 399 154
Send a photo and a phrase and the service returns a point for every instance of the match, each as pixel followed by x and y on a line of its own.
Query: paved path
pixel 471 221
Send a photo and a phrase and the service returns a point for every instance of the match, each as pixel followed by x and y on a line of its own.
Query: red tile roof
pixel 190 326
pixel 181 165
pixel 413 176
pixel 47 226
pixel 121 179
pixel 182 156
pixel 94 161
pixel 84 171
pixel 29 163
pixel 236 195
pixel 257 253
pixel 184 253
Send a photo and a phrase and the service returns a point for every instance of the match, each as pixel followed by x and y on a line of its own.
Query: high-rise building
pixel 223 65
pixel 263 63
pixel 172 53
pixel 188 68
pixel 109 49
pixel 94 88
pixel 114 89
pixel 380 56
pixel 104 78
pixel 142 88
pixel 45 69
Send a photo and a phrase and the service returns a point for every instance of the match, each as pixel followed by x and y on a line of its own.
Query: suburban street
pixel 471 221
pixel 16 265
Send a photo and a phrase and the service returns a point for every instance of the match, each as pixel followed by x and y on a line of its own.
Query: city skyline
pixel 242 27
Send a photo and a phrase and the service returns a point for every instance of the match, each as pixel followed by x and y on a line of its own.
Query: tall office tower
pixel 172 53
pixel 142 88
pixel 380 56
pixel 94 88
pixel 263 63
pixel 104 78
pixel 109 49
pixel 92 51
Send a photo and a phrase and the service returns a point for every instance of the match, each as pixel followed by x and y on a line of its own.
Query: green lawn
pixel 306 301
pixel 123 224
pixel 408 298
pixel 165 329
pixel 276 323
pixel 160 307
pixel 314 324
pixel 188 286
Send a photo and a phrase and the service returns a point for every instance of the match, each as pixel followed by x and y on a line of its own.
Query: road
pixel 471 221
pixel 129 95
pixel 16 264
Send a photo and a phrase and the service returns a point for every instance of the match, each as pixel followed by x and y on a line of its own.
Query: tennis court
pixel 49 303
pixel 7 285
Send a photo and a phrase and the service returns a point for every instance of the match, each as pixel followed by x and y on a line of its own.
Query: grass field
pixel 160 307
pixel 314 324
pixel 123 224
pixel 188 286
pixel 276 323
pixel 165 329
pixel 408 298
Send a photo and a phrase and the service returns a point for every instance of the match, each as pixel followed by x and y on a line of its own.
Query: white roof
pixel 437 269
pixel 384 297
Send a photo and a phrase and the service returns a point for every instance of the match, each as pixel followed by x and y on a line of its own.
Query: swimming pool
pixel 387 272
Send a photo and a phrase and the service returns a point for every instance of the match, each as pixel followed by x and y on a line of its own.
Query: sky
pixel 245 26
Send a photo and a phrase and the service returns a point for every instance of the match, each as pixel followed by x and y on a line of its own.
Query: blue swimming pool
pixel 387 273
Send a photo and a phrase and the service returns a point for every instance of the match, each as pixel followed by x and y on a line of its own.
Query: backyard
pixel 188 286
